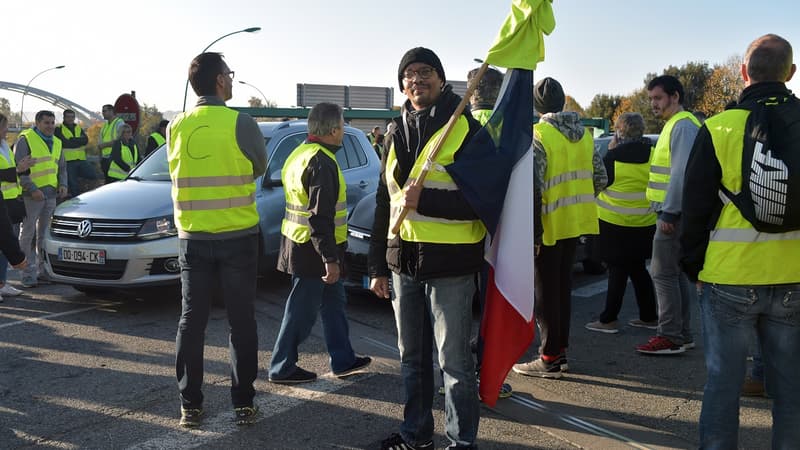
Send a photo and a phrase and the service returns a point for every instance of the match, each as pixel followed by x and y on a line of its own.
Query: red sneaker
pixel 659 345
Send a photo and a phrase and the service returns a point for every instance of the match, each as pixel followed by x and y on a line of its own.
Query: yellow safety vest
pixel 73 154
pixel 624 203
pixel 44 171
pixel 417 227
pixel 130 156
pixel 482 115
pixel 158 138
pixel 10 190
pixel 295 224
pixel 738 254
pixel 568 203
pixel 109 133
pixel 661 165
pixel 213 189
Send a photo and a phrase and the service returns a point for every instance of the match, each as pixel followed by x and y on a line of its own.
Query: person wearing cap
pixel 482 100
pixel 433 258
pixel 569 175
pixel 156 138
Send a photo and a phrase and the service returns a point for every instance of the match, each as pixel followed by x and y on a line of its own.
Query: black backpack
pixel 770 196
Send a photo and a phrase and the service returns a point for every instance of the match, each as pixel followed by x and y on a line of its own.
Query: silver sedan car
pixel 123 236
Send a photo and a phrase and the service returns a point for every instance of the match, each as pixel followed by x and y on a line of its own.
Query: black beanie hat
pixel 423 55
pixel 548 96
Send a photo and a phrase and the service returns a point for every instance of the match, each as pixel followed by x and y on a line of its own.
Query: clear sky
pixel 596 47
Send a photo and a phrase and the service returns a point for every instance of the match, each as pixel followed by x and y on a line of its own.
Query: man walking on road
pixel 314 239
pixel 747 266
pixel 215 154
pixel 433 259
pixel 664 190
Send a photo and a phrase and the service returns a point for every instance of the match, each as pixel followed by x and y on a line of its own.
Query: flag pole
pixel 473 84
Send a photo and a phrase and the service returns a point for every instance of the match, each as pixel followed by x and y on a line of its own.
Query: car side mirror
pixel 274 180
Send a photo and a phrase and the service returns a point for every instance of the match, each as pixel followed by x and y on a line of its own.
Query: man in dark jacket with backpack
pixel 741 238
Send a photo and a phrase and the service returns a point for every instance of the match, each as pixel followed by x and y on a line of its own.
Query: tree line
pixel 707 89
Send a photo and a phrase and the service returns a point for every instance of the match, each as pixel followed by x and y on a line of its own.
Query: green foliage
pixel 693 77
pixel 604 105
pixel 571 105
pixel 723 86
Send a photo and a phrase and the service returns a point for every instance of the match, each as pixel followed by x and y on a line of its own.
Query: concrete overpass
pixel 85 114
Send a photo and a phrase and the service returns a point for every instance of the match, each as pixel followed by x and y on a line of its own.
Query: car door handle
pixel 363 184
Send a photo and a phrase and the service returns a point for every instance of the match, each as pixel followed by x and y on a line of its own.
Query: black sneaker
pixel 298 376
pixel 246 415
pixel 361 363
pixel 191 417
pixel 396 442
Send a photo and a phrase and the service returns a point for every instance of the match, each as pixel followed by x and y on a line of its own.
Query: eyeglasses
pixel 230 74
pixel 423 73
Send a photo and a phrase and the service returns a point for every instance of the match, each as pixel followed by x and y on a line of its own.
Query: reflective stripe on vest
pixel 212 180
pixel 295 225
pixel 130 157
pixel 568 202
pixel 108 134
pixel 737 254
pixel 625 203
pixel 660 166
pixel 158 138
pixel 417 227
pixel 11 190
pixel 44 171
pixel 73 154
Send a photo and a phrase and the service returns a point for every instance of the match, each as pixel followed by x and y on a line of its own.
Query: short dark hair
pixel 203 73
pixel 107 106
pixel 769 58
pixel 324 118
pixel 488 87
pixel 44 113
pixel 669 84
pixel 163 123
pixel 67 111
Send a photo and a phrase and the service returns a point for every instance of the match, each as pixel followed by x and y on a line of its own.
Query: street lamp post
pixel 266 103
pixel 246 30
pixel 22 103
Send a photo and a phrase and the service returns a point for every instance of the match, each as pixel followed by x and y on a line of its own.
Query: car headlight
pixel 157 227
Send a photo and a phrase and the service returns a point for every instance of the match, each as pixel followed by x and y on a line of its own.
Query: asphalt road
pixel 82 372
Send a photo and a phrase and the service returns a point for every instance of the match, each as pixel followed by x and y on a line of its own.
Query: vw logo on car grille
pixel 84 228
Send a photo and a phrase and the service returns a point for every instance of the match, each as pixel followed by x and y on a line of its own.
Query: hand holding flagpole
pixel 442 139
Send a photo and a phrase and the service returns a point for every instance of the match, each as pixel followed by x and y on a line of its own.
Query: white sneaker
pixel 9 290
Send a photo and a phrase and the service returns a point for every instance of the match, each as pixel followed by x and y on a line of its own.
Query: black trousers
pixel 618 276
pixel 553 299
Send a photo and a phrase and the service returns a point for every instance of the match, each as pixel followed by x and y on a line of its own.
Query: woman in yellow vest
pixel 124 155
pixel 627 225
pixel 9 244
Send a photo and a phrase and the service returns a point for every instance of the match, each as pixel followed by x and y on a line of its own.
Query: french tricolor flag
pixel 494 171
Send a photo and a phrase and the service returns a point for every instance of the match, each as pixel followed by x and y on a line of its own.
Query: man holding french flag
pixel 443 186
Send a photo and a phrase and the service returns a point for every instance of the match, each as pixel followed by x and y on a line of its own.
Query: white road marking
pixel 590 290
pixel 54 315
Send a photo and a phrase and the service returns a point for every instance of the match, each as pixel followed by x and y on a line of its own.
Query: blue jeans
pixel 226 268
pixel 79 169
pixel 437 310
pixel 674 293
pixel 311 296
pixel 730 315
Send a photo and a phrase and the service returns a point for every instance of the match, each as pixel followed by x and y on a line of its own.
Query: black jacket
pixel 321 182
pixel 701 203
pixel 422 260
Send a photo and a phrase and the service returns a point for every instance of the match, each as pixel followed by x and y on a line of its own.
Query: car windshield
pixel 154 167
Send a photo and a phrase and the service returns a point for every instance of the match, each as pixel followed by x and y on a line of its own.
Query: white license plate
pixel 82 255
